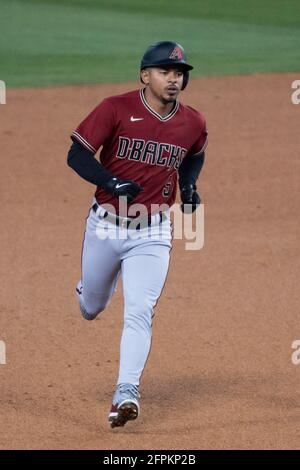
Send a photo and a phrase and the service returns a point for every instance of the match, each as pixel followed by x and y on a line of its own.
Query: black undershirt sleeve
pixel 190 169
pixel 84 163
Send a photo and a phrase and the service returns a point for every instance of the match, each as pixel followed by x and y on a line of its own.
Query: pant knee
pixel 91 305
pixel 94 308
pixel 139 316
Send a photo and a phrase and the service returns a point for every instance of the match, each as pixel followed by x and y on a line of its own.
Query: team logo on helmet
pixel 176 54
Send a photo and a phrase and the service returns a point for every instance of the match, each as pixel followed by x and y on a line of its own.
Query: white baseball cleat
pixel 125 406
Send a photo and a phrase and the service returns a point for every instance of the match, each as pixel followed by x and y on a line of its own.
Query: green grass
pixel 89 41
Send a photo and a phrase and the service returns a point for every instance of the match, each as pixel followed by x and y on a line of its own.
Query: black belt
pixel 135 224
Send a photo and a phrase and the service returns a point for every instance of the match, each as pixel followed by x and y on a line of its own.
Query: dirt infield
pixel 220 373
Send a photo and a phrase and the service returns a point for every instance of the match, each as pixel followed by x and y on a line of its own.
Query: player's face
pixel 165 83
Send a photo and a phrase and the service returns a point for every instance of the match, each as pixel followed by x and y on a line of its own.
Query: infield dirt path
pixel 220 374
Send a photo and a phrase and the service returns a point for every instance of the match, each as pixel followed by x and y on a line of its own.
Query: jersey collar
pixel 151 110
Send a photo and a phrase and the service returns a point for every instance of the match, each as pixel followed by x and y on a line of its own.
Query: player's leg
pixel 144 272
pixel 145 262
pixel 100 268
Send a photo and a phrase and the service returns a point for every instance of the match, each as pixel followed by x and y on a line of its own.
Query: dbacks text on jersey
pixel 151 152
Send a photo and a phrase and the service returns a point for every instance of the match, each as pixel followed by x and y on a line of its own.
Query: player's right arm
pixel 93 132
pixel 83 162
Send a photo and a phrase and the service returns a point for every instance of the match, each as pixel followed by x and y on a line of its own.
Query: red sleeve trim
pixel 82 141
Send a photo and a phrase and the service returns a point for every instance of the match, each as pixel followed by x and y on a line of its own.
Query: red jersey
pixel 140 145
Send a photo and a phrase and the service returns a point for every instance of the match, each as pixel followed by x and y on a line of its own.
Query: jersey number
pixel 167 190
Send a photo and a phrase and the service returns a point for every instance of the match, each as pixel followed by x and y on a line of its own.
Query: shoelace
pixel 132 390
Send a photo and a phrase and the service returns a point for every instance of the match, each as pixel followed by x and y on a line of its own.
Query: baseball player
pixel 147 138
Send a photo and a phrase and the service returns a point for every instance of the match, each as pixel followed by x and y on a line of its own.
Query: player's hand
pixel 190 198
pixel 128 188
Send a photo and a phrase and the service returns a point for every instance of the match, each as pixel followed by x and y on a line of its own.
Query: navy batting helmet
pixel 166 53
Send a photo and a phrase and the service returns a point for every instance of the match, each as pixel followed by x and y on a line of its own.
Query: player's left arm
pixel 189 172
pixel 190 169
